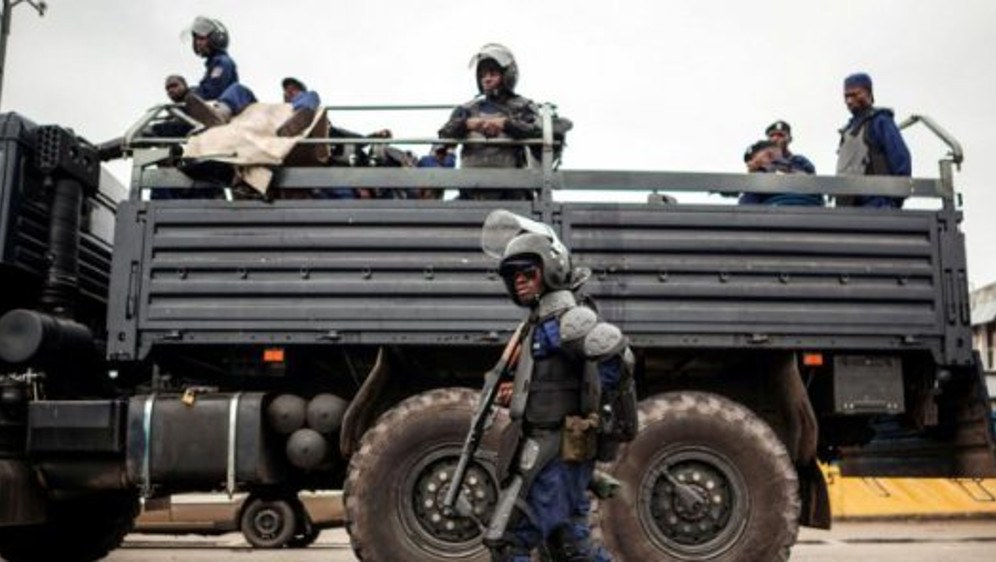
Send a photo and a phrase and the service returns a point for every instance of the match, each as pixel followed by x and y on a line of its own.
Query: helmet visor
pixel 493 51
pixel 501 226
pixel 202 26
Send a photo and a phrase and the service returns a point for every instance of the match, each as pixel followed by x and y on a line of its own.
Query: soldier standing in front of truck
pixel 571 403
pixel 498 113
pixel 870 143
pixel 219 95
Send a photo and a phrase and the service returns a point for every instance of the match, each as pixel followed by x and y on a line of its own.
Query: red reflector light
pixel 812 359
pixel 273 355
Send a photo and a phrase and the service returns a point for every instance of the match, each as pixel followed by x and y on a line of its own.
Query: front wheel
pixel 705 479
pixel 399 476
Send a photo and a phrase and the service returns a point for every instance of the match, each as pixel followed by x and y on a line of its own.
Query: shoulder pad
pixel 555 302
pixel 576 323
pixel 604 340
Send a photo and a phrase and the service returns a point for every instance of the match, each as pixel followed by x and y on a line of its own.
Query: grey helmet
pixel 212 29
pixel 502 56
pixel 510 237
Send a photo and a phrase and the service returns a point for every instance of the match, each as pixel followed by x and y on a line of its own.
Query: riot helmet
pixel 503 58
pixel 212 29
pixel 517 241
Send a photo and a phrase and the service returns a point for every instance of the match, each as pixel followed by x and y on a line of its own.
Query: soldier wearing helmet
pixel 219 95
pixel 572 400
pixel 497 113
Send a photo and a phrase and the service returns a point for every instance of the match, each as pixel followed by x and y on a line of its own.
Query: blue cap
pixel 858 80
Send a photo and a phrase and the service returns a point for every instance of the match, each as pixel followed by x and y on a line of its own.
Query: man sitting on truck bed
pixel 766 157
pixel 219 95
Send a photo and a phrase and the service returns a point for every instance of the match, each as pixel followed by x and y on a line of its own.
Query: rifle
pixel 483 414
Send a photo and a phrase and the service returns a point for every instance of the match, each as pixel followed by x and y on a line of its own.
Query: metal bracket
pixel 233 417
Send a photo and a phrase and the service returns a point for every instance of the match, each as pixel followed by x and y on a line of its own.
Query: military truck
pixel 276 345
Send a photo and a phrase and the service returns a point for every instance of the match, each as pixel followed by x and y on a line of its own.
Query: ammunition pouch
pixel 579 438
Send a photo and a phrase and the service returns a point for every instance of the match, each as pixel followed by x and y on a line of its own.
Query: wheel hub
pixel 267 523
pixel 430 489
pixel 693 501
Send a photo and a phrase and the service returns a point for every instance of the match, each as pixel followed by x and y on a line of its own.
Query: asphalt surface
pixel 948 541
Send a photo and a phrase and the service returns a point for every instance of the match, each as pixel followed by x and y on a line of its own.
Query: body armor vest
pixel 858 157
pixel 548 376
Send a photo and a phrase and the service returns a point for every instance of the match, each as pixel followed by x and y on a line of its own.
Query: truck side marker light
pixel 812 359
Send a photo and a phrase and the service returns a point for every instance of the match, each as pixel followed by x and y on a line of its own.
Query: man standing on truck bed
pixel 498 113
pixel 870 143
pixel 219 95
pixel 572 400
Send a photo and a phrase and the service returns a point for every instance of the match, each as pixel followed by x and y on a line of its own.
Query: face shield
pixel 501 226
pixel 510 238
pixel 207 27
pixel 494 51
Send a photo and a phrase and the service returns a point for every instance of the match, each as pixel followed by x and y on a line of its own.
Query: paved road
pixel 961 541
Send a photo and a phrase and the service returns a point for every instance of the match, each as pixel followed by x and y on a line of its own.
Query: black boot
pixel 297 123
pixel 207 113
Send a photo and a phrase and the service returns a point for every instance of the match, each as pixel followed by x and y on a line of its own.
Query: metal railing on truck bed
pixel 405 272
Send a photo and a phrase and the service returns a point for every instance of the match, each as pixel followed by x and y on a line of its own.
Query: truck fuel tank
pixel 215 438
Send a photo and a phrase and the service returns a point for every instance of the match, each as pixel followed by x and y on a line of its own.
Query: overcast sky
pixel 649 84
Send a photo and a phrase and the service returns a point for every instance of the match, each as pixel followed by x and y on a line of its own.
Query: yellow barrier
pixel 856 497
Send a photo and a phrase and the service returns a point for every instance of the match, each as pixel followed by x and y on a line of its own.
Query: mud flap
pixel 815 497
pixel 961 445
pixel 362 411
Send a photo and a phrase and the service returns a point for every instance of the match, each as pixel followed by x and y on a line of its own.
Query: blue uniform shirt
pixel 219 74
pixel 309 100
pixel 546 338
pixel 794 164
pixel 801 163
pixel 430 161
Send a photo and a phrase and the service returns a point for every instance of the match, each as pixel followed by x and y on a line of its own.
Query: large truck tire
pixel 399 476
pixel 78 530
pixel 705 479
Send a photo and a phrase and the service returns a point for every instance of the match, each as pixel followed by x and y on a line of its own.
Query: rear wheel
pixel 78 530
pixel 705 479
pixel 268 523
pixel 399 476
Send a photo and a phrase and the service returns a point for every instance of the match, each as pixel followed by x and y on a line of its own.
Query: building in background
pixel 984 332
